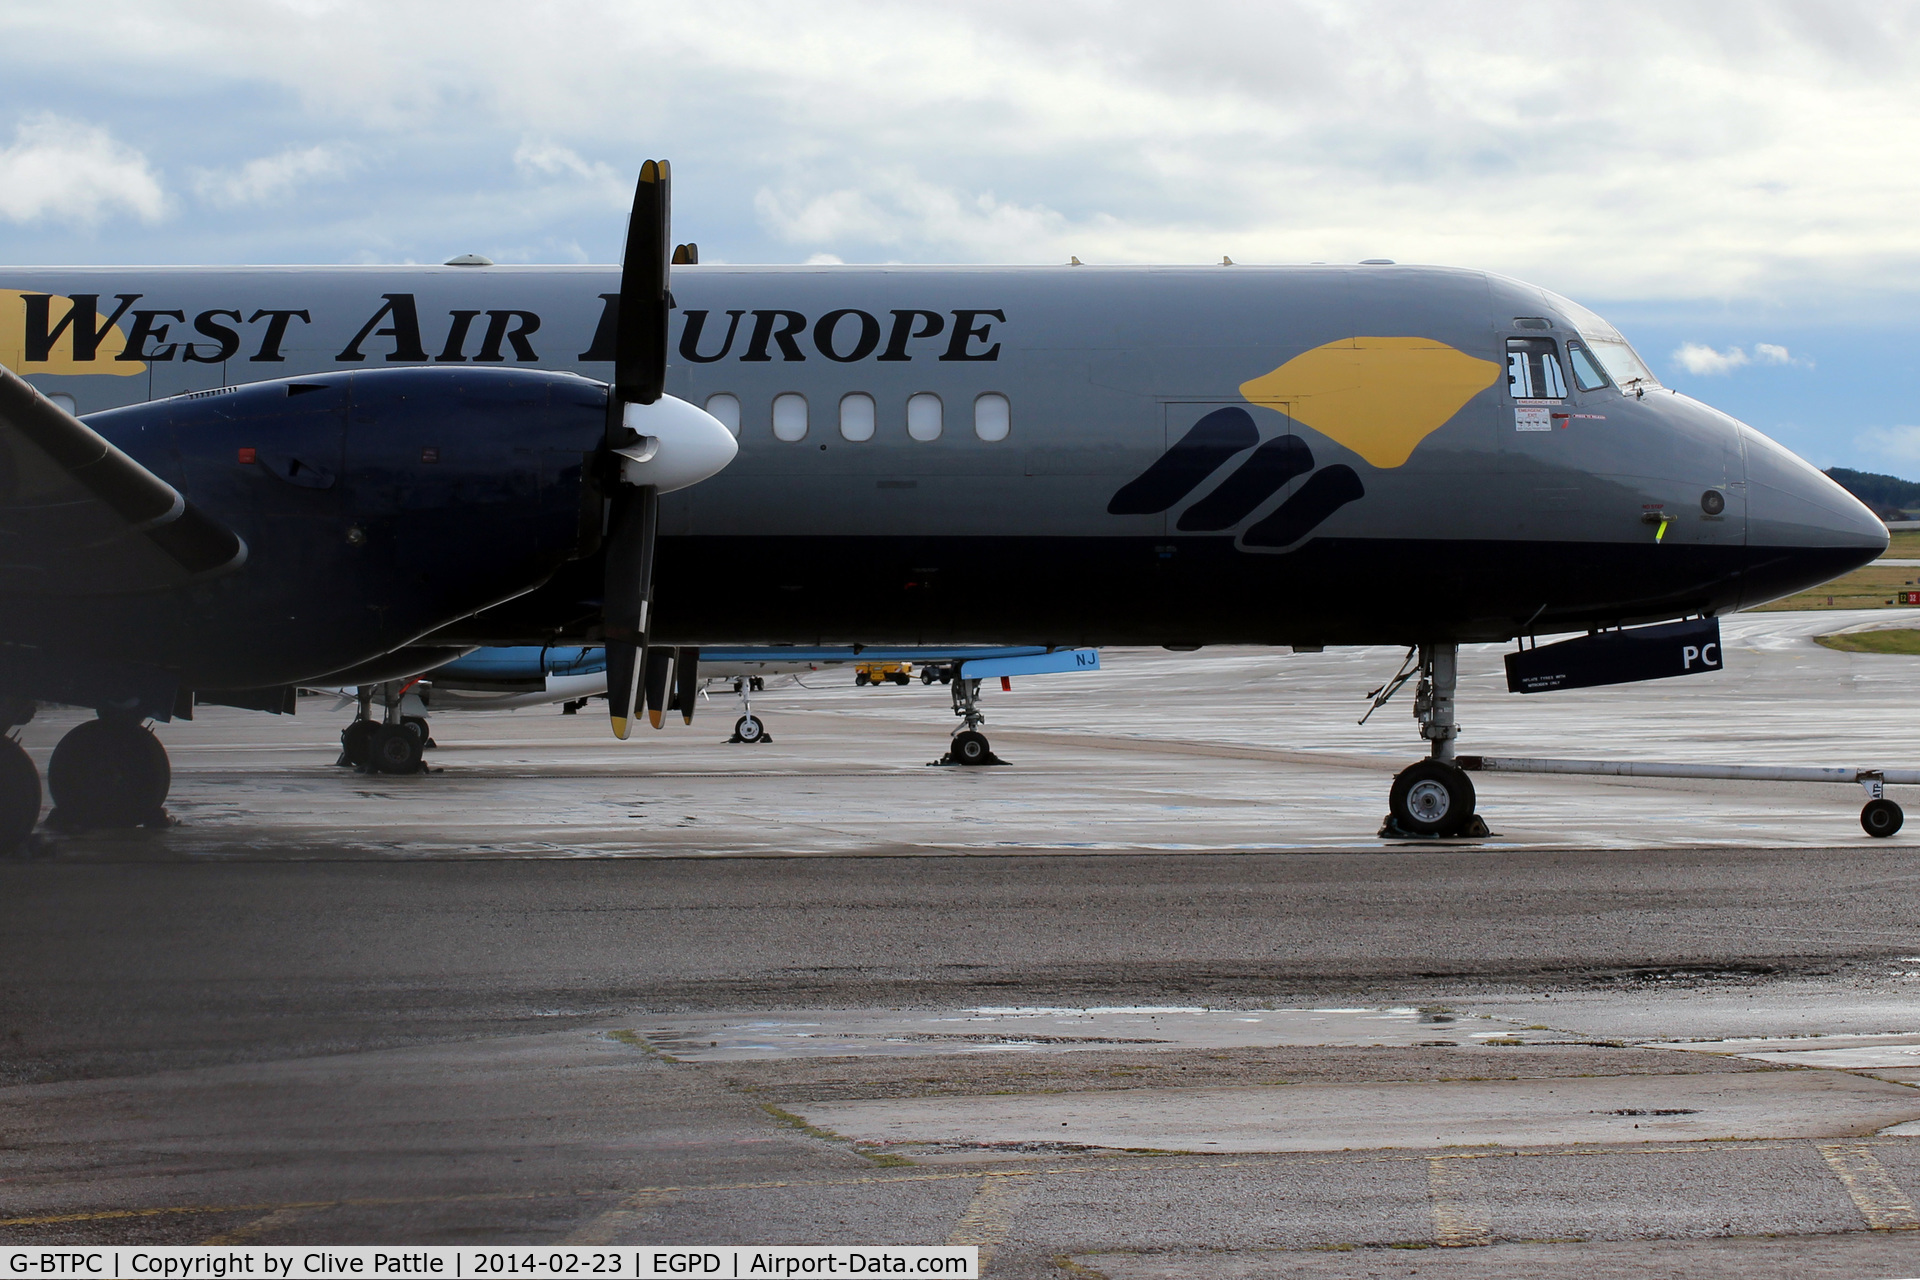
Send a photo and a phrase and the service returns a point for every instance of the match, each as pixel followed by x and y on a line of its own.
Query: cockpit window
pixel 1586 371
pixel 1533 369
pixel 1630 372
pixel 1610 350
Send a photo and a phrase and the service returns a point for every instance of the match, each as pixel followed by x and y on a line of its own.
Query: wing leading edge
pixel 79 517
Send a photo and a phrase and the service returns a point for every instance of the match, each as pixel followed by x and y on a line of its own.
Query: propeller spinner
pixel 659 443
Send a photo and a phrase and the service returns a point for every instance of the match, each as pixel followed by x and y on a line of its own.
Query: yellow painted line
pixel 989 1214
pixel 1461 1217
pixel 109 1215
pixel 1105 1164
pixel 631 1216
pixel 1878 1197
pixel 250 1232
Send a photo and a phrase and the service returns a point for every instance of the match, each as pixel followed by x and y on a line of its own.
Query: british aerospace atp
pixel 218 484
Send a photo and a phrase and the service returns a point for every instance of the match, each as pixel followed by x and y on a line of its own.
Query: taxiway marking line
pixel 249 1232
pixel 631 1215
pixel 1108 1164
pixel 989 1214
pixel 1461 1216
pixel 1878 1197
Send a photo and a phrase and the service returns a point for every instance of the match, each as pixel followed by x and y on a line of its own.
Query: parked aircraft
pixel 512 678
pixel 289 476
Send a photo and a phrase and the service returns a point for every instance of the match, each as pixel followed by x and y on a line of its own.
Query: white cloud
pixel 1723 160
pixel 549 159
pixel 270 178
pixel 61 170
pixel 1695 358
pixel 1895 444
pixel 900 212
pixel 1772 353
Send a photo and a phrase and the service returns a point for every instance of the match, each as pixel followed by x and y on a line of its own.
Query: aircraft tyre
pixel 419 725
pixel 19 795
pixel 109 773
pixel 970 747
pixel 1880 819
pixel 395 748
pixel 756 684
pixel 748 729
pixel 356 743
pixel 1432 798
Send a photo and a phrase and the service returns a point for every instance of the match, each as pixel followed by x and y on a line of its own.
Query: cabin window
pixel 992 416
pixel 64 401
pixel 726 408
pixel 1586 370
pixel 790 416
pixel 856 416
pixel 1533 370
pixel 924 416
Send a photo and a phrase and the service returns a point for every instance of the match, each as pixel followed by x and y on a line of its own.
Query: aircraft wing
pixel 79 517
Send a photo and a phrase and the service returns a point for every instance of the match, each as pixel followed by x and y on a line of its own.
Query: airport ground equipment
pixel 1881 817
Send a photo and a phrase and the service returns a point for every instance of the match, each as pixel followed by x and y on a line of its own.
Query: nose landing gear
pixel 1434 797
pixel 749 728
pixel 969 745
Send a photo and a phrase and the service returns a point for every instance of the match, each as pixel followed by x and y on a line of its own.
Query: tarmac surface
pixel 1154 1000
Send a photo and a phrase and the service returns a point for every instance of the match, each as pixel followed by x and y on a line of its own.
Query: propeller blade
pixel 639 378
pixel 640 333
pixel 686 682
pixel 622 682
pixel 627 605
pixel 659 664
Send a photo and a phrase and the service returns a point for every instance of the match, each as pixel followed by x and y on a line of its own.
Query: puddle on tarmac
pixel 1031 1029
pixel 1841 1053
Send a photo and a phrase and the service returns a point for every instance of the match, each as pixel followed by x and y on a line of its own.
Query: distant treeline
pixel 1887 495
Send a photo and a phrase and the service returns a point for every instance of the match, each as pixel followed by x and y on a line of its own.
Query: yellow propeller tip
pixel 655 719
pixel 620 727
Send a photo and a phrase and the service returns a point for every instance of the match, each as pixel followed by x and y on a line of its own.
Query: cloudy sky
pixel 1735 186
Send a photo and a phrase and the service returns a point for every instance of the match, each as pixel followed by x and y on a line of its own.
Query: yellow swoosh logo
pixel 13 341
pixel 1380 397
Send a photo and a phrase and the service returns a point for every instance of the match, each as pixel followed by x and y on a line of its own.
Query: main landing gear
pixel 110 772
pixel 19 780
pixel 969 745
pixel 398 741
pixel 1434 797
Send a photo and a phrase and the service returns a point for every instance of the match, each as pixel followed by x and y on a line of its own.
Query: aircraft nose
pixel 1802 528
